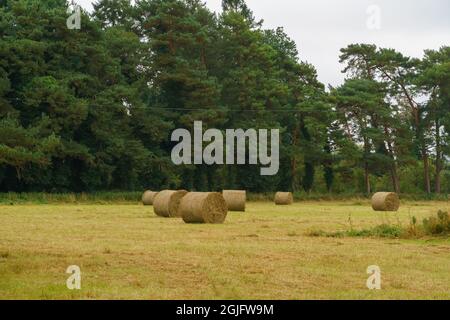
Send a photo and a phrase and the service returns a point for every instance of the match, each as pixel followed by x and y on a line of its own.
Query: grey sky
pixel 321 27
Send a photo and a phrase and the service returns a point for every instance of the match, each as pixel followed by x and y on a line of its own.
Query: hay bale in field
pixel 166 203
pixel 203 207
pixel 235 199
pixel 385 201
pixel 148 197
pixel 284 198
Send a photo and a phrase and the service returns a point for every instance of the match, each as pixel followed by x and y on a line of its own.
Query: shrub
pixel 433 226
pixel 439 225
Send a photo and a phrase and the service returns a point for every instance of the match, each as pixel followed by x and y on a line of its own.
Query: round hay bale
pixel 167 202
pixel 385 201
pixel 148 197
pixel 235 199
pixel 203 207
pixel 284 198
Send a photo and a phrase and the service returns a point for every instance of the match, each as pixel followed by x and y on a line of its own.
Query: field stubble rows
pixel 126 252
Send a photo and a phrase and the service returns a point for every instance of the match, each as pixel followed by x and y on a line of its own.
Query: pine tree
pixel 434 79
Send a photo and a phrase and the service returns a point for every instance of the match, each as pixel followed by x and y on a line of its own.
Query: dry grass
pixel 126 252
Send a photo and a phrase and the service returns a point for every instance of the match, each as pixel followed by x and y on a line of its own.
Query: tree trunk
pixel 426 165
pixel 425 158
pixel 395 179
pixel 366 166
pixel 295 138
pixel 19 174
pixel 367 178
pixel 438 180
pixel 390 150
pixel 438 157
pixel 328 173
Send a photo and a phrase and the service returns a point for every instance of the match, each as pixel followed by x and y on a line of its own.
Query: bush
pixel 381 231
pixel 439 225
pixel 433 226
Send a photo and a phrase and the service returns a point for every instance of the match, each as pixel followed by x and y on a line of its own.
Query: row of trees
pixel 93 109
pixel 397 109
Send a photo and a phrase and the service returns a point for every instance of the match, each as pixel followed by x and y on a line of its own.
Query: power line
pixel 224 110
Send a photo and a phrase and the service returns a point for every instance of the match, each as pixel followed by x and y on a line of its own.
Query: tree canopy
pixel 93 109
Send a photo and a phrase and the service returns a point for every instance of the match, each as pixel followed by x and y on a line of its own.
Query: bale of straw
pixel 166 203
pixel 203 207
pixel 148 197
pixel 385 201
pixel 235 199
pixel 284 198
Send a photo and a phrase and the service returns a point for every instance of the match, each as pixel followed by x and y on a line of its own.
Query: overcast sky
pixel 321 27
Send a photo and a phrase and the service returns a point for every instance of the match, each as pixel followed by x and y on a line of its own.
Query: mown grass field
pixel 126 252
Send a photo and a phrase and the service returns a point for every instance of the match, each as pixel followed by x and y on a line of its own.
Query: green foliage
pixel 404 81
pixel 20 146
pixel 93 109
pixel 433 226
pixel 12 198
pixel 439 225
pixel 381 231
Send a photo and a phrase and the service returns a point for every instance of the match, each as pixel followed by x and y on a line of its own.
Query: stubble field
pixel 126 252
